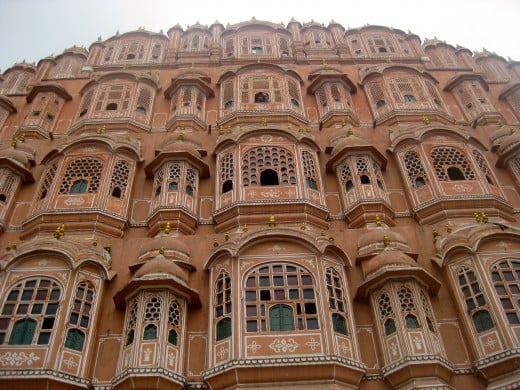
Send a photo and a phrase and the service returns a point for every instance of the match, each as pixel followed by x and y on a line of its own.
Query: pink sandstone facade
pixel 261 206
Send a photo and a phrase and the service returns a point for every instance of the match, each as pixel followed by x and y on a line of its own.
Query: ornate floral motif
pixel 283 345
pixel 313 344
pixel 253 347
pixel 18 359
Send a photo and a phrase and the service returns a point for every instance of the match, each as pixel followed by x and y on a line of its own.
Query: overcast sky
pixel 33 29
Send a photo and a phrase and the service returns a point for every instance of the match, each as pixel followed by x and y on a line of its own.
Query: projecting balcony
pixel 190 115
pixel 273 112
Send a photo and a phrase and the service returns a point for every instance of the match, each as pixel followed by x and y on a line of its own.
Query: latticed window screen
pixel 131 321
pixel 174 176
pixel 230 46
pixel 386 314
pixel 414 169
pixel 8 182
pixel 378 44
pixel 85 103
pixel 514 100
pixel 79 318
pixel 268 157
pixel 284 46
pixel 475 300
pixel 321 96
pixel 29 312
pixel 278 295
pixel 483 166
pixel 408 308
pixel 191 181
pixel 114 98
pixel 144 100
pixel 228 93
pixel 119 179
pixel 152 317
pixel 377 95
pixel 257 44
pixel 309 170
pixel 336 300
pixel 16 82
pixel 47 181
pixel 174 322
pixel 268 84
pixel 428 312
pixel 362 165
pixel 67 67
pixel 157 184
pixel 506 280
pixel 227 168
pixel 346 177
pixel 133 50
pixel 156 52
pixel 88 169
pixel 446 158
pixel 294 92
pixel 433 92
pixel 223 305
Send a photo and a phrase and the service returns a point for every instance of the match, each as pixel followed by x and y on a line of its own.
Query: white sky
pixel 33 29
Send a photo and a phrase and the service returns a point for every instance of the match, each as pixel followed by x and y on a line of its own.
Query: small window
pixel 281 318
pixel 419 182
pixel 23 332
pixel 227 186
pixel 364 179
pixel 224 328
pixel 173 186
pixel 411 321
pixel 311 183
pixel 130 56
pixel 75 339
pixel 295 102
pixel 130 337
pixel 83 112
pixel 49 117
pixel 382 49
pixel 409 98
pixel 228 104
pixel 150 332
pixel 257 50
pixel 111 107
pixel 339 324
pixel 455 173
pixel 172 337
pixel 116 192
pixel 79 187
pixel 482 321
pixel 189 190
pixel 390 327
pixel 380 103
pixel 349 185
pixel 158 191
pixel 261 97
pixel 269 178
pixel 2 198
pixel 140 110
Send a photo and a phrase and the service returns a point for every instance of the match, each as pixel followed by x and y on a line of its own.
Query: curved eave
pixel 55 88
pixel 7 104
pixel 143 33
pixel 508 90
pixel 381 69
pixel 317 80
pixel 457 79
pixel 376 278
pixel 334 160
pixel 18 169
pixel 175 155
pixel 160 282
pixel 200 83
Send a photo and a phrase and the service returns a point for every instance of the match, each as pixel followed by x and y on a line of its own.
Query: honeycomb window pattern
pixel 174 322
pixel 89 169
pixel 483 166
pixel 47 181
pixel 119 179
pixel 414 169
pixel 268 157
pixel 131 321
pixel 174 177
pixel 227 168
pixel 8 183
pixel 445 158
pixel 428 312
pixel 309 169
pixel 386 313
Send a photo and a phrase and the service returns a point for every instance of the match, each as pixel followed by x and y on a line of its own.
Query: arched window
pixel 483 166
pixel 86 172
pixel 261 97
pixel 152 317
pixel 227 186
pixel 408 307
pixel 79 187
pixel 269 177
pixel 281 318
pixel 223 306
pixel 451 164
pixel 174 323
pixel 227 172
pixel 506 280
pixel 111 107
pixel 32 307
pixel 409 98
pixel 131 322
pixel 150 332
pixel 280 296
pixel 174 177
pixel 336 301
pixel 79 317
pixel 309 170
pixel 475 300
pixel 277 159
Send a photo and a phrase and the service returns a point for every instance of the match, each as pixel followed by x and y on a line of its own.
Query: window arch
pixel 29 312
pixel 506 281
pixel 82 170
pixel 275 158
pixel 223 306
pixel 475 300
pixel 79 317
pixel 451 164
pixel 151 317
pixel 408 308
pixel 283 291
pixel 174 323
pixel 336 301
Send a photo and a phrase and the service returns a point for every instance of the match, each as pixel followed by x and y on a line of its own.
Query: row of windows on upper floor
pixel 389 94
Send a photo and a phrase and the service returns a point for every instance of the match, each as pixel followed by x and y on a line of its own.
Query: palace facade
pixel 261 205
